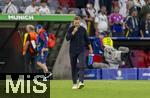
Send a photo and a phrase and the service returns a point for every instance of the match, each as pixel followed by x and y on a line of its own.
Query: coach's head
pixel 76 21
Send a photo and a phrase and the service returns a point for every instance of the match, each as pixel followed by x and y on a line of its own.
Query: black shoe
pixel 48 75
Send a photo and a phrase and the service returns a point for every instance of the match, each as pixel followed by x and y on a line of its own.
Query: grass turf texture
pixel 101 89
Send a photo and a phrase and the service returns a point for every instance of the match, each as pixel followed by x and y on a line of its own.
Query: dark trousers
pixel 30 62
pixel 77 68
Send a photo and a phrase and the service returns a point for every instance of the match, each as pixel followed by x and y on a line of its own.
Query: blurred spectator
pixel 32 9
pixel 145 9
pixel 141 58
pixel 108 4
pixel 139 3
pixel 65 10
pixel 145 26
pixel 54 4
pixel 116 22
pixel 10 8
pixel 129 5
pixel 138 9
pixel 81 3
pixel 44 9
pixel 115 3
pixel 97 6
pixel 138 58
pixel 101 21
pixel 71 11
pixel 83 23
pixel 89 12
pixel 59 11
pixel 67 3
pixel 132 24
pixel 123 7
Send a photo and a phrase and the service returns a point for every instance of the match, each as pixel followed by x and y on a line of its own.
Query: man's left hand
pixel 91 51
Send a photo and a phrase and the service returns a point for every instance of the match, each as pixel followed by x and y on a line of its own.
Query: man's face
pixel 149 2
pixel 77 23
pixel 148 17
pixel 103 9
pixel 134 13
pixel 7 1
pixel 33 2
pixel 116 10
pixel 43 4
pixel 89 6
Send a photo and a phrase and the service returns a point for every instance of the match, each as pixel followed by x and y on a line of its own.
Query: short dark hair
pixel 77 18
pixel 133 9
pixel 44 1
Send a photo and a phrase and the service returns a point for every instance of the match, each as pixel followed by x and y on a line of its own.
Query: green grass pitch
pixel 101 89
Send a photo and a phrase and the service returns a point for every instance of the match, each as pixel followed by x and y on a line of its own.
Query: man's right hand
pixel 75 30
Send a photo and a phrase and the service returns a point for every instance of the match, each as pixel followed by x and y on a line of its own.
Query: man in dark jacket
pixel 145 9
pixel 78 40
pixel 145 26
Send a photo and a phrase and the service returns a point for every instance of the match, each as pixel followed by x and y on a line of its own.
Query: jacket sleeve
pixel 69 34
